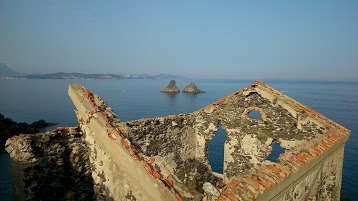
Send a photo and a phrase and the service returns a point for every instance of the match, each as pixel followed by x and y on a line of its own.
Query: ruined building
pixel 166 158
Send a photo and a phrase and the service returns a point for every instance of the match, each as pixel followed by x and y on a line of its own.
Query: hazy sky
pixel 227 39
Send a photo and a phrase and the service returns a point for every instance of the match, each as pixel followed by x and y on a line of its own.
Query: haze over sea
pixel 31 100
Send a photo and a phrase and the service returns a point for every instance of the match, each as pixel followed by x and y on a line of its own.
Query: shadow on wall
pixel 54 166
pixel 63 171
pixel 6 180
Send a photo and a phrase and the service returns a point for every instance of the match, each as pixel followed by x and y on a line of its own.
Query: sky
pixel 306 40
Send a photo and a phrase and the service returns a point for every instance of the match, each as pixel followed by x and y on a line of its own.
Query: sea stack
pixel 192 88
pixel 171 88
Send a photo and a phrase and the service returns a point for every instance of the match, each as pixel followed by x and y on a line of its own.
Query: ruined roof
pixel 173 149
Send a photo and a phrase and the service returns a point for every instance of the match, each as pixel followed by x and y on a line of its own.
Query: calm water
pixel 31 100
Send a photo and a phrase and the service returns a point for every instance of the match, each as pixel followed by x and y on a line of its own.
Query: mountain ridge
pixel 8 73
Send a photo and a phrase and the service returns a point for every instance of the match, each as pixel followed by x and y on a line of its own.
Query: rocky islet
pixel 192 88
pixel 172 88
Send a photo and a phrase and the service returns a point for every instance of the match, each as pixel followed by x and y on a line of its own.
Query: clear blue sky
pixel 203 39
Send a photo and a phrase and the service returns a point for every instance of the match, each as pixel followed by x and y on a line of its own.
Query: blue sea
pixel 31 100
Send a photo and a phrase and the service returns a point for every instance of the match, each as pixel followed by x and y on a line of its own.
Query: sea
pixel 29 100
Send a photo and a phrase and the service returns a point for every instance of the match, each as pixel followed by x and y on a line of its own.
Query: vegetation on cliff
pixel 9 128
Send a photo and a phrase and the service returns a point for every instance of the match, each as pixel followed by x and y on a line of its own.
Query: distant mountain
pixel 8 73
pixel 61 75
pixel 5 71
pixel 168 76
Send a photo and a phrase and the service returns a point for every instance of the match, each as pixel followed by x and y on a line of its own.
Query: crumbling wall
pixel 321 183
pixel 166 158
pixel 174 150
pixel 181 140
pixel 311 172
pixel 249 141
pixel 52 165
pixel 171 141
pixel 119 171
pixel 311 166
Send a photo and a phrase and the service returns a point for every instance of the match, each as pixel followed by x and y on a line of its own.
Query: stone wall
pixel 166 158
pixel 176 139
pixel 311 166
pixel 249 141
pixel 52 165
pixel 119 171
pixel 320 183
pixel 174 149
pixel 171 142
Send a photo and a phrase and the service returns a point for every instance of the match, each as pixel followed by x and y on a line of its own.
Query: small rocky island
pixel 171 88
pixel 192 88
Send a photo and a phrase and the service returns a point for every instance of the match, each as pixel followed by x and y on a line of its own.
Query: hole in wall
pixel 251 95
pixel 216 150
pixel 254 115
pixel 276 151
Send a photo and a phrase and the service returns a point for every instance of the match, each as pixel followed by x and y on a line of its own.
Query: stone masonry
pixel 51 166
pixel 166 158
pixel 173 149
